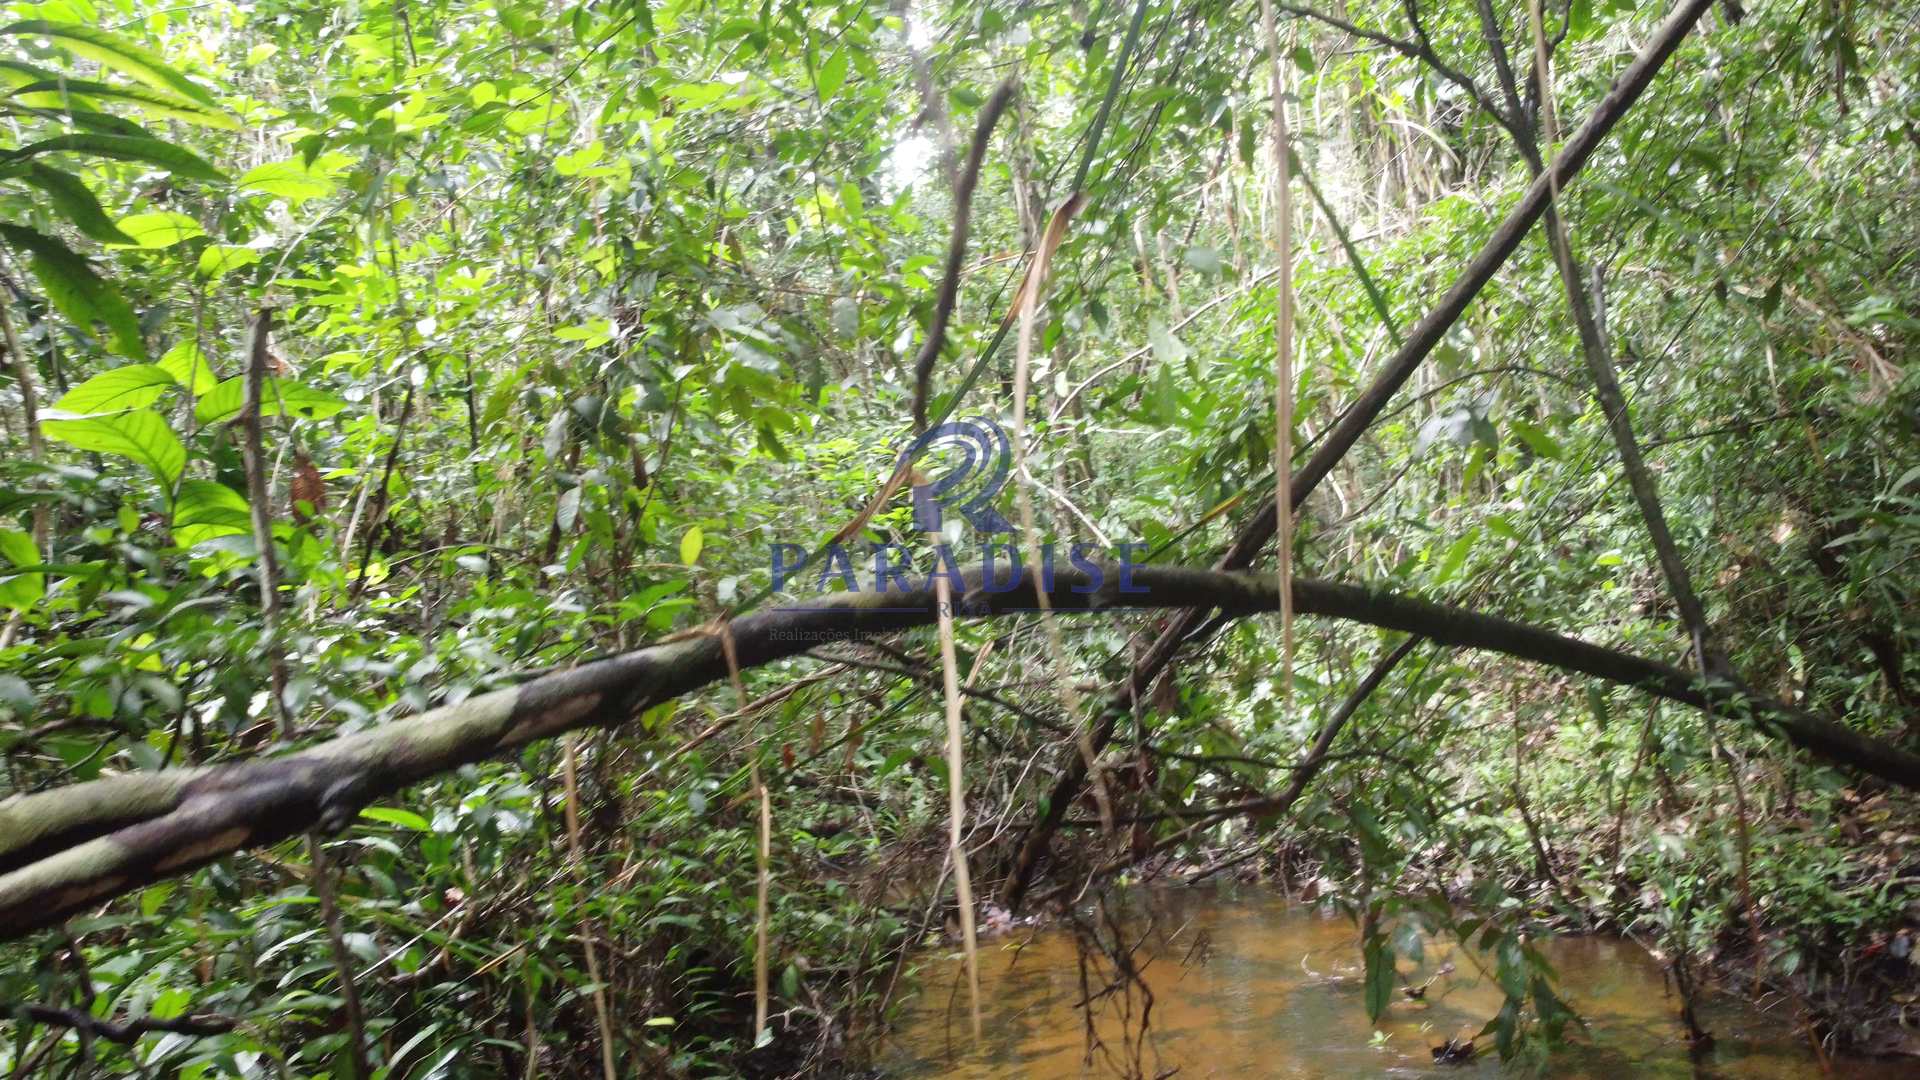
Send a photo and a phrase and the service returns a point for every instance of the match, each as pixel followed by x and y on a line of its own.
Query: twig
pixel 124 1032
pixel 949 292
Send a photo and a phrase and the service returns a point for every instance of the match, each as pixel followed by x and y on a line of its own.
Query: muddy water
pixel 1247 985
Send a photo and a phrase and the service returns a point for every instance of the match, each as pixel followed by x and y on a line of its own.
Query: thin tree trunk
pixel 1425 335
pixel 260 513
pixel 30 408
pixel 1598 356
pixel 1303 773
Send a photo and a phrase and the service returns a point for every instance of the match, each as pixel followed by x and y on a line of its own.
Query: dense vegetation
pixel 366 359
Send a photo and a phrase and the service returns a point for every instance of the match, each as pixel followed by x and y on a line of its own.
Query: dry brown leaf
pixel 307 494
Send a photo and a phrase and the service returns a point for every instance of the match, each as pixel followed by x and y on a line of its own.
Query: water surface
pixel 1246 984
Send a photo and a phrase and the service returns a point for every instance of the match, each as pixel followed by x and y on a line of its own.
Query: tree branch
pixel 1303 774
pixel 1361 414
pixel 1420 50
pixel 56 858
pixel 125 1032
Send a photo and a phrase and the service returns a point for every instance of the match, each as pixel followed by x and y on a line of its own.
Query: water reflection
pixel 1247 985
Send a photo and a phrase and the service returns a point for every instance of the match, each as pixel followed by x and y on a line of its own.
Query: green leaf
pixel 207 511
pixel 1580 22
pixel 112 51
pixel 833 74
pixel 1456 555
pixel 159 229
pixel 217 259
pixel 573 164
pixel 1167 348
pixel 74 201
pixel 20 591
pixel 697 95
pixel 1380 976
pixel 1553 1012
pixel 58 93
pixel 1597 704
pixel 690 545
pixel 1504 1026
pixel 124 148
pixel 143 436
pixel 1161 401
pixel 1373 842
pixel 390 815
pixel 591 334
pixel 135 386
pixel 1537 440
pixel 105 123
pixel 81 295
pixel 1484 433
pixel 15 73
pixel 188 366
pixel 152 898
pixel 296 180
pixel 278 397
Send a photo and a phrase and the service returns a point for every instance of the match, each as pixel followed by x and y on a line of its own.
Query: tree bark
pixel 68 849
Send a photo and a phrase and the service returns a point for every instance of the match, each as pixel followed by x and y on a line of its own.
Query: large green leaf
pixel 19 591
pixel 295 180
pixel 1537 440
pixel 207 511
pixel 16 73
pixel 832 75
pixel 139 148
pixel 217 259
pixel 106 123
pixel 159 229
pixel 1380 975
pixel 81 295
pixel 57 93
pixel 143 436
pixel 135 386
pixel 74 201
pixel 278 397
pixel 188 366
pixel 1456 555
pixel 391 815
pixel 112 51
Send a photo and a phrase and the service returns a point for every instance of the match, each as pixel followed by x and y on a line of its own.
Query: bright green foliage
pixel 578 309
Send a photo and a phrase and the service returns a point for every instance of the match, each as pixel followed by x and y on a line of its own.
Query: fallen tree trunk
pixel 67 849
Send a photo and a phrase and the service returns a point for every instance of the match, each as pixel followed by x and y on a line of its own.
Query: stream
pixel 1248 984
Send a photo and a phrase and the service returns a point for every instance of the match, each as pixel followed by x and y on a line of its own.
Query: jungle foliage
pixel 364 359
